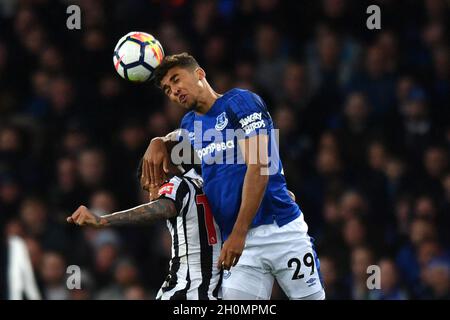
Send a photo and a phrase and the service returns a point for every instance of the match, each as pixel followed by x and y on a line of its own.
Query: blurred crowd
pixel 364 119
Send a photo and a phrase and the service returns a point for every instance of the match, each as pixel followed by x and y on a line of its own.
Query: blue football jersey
pixel 238 114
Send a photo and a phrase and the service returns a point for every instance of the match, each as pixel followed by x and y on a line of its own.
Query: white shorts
pixel 271 252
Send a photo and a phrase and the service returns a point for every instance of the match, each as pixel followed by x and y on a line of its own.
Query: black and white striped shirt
pixel 196 242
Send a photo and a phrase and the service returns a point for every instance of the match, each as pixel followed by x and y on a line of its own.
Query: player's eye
pixel 175 80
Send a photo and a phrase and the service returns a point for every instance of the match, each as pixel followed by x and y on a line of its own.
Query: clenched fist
pixel 83 217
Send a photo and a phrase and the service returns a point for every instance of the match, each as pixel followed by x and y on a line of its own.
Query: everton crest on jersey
pixel 238 114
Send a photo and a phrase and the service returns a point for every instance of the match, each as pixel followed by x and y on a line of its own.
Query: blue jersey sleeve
pixel 248 112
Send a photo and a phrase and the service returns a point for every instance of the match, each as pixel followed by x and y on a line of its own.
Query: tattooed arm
pixel 144 214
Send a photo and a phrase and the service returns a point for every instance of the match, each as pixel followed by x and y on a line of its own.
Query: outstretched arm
pixel 144 214
pixel 255 152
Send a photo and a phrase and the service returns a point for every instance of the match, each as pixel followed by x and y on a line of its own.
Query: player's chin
pixel 183 104
pixel 190 107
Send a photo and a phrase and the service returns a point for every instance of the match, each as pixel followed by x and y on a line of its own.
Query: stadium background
pixel 364 131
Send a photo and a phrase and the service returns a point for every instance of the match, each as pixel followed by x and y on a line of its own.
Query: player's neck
pixel 206 101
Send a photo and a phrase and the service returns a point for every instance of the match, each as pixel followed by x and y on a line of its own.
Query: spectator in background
pixel 62 105
pixel 126 155
pixel 377 156
pixel 291 145
pixel 331 236
pixel 355 131
pixel 428 250
pixel 173 114
pixel 39 103
pixel 51 60
pixel 330 175
pixel 173 40
pixel 329 67
pixel 404 215
pixel 398 178
pixel 440 86
pixel 363 119
pixel 405 84
pixel 436 163
pixel 216 56
pixel 352 205
pixel 8 94
pixel 204 15
pixel 104 112
pixel 323 72
pixel 271 61
pixel 331 279
pixel 437 279
pixel 53 271
pixel 388 43
pixel 222 81
pixel 36 254
pixel 389 283
pixel 445 209
pixel 245 73
pixel 136 292
pixel 38 223
pixel 425 208
pixel 74 139
pixel 296 90
pixel 92 168
pixel 375 182
pixel 407 259
pixel 17 279
pixel 431 254
pixel 361 259
pixel 354 233
pixel 66 191
pixel 416 127
pixel 87 287
pixel 106 251
pixel 376 82
pixel 157 124
pixel 13 147
pixel 125 276
pixel 10 198
pixel 103 201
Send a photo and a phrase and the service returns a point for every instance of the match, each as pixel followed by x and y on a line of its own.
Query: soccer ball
pixel 136 56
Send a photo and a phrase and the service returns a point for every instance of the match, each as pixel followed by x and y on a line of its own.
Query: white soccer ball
pixel 136 56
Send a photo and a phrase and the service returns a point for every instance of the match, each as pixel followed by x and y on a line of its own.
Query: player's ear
pixel 201 74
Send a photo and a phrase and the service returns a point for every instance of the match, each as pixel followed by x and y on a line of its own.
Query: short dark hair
pixel 183 60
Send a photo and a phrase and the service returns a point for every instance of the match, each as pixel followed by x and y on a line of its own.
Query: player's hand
pixel 153 193
pixel 155 165
pixel 83 217
pixel 231 251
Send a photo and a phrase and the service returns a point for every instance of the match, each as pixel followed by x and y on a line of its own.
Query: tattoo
pixel 144 214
